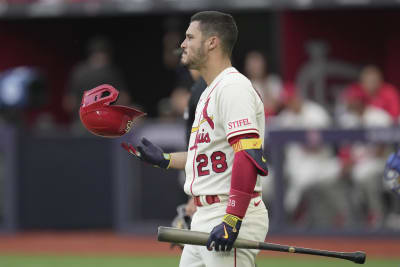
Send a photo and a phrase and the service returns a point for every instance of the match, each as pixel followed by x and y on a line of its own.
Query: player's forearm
pixel 178 160
pixel 243 181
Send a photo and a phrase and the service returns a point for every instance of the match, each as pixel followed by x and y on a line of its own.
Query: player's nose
pixel 183 44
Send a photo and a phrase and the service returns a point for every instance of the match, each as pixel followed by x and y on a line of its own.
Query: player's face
pixel 194 52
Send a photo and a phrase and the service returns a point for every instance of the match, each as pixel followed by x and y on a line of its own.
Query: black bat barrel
pixel 357 257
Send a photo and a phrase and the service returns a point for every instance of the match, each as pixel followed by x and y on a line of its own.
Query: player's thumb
pixel 141 151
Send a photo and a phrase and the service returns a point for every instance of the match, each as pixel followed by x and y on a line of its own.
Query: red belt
pixel 211 199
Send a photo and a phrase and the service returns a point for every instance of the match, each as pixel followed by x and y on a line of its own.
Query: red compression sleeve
pixel 243 181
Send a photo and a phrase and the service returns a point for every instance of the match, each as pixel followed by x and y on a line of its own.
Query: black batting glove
pixel 150 153
pixel 224 235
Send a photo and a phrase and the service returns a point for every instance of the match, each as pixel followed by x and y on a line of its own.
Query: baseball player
pixel 224 160
pixel 391 176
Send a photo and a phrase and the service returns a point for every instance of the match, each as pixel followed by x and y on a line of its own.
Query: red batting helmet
pixel 103 119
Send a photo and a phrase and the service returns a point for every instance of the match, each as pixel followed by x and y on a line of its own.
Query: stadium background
pixel 72 199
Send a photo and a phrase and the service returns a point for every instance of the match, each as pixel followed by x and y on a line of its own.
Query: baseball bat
pixel 180 236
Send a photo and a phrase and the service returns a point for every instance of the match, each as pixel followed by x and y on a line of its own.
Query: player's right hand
pixel 150 153
pixel 224 235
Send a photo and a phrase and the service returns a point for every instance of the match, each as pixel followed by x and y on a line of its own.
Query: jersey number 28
pixel 218 163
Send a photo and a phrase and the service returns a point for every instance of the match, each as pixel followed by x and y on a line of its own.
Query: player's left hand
pixel 150 153
pixel 224 235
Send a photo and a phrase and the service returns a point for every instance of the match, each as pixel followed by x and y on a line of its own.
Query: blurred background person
pixel 268 85
pixel 196 90
pixel 173 108
pixel 98 68
pixel 311 168
pixel 391 181
pixel 370 103
pixel 370 95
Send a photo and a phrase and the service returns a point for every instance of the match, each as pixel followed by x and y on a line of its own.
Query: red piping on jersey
pixel 241 131
pixel 258 94
pixel 195 151
pixel 205 115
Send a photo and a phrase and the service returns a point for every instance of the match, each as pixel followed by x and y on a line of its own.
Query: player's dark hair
pixel 220 24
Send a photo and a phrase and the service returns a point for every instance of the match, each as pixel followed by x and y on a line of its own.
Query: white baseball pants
pixel 254 227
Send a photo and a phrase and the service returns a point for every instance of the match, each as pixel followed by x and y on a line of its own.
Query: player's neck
pixel 213 68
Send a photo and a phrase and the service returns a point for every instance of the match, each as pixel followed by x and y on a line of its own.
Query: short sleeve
pixel 237 106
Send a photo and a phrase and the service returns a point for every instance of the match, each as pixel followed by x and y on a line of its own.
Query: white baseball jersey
pixel 228 107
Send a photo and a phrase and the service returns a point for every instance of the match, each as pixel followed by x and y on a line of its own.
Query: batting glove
pixel 224 235
pixel 150 153
pixel 392 172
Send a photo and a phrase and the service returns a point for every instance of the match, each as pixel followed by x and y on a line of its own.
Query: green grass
pixel 78 261
pixel 81 261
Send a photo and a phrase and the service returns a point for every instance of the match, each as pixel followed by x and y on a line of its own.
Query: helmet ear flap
pixel 103 119
pixel 104 94
pixel 107 93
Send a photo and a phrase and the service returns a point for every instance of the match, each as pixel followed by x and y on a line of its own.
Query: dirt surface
pixel 110 244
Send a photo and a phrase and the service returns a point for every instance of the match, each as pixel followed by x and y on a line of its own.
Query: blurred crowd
pixel 330 185
pixel 336 185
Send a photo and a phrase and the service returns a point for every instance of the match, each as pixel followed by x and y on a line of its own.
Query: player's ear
pixel 212 42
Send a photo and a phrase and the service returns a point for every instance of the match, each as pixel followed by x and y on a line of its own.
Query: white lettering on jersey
pixel 238 123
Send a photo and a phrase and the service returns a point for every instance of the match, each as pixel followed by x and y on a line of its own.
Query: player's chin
pixel 184 60
pixel 189 64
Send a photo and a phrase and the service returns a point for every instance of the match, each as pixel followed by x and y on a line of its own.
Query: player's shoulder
pixel 235 82
pixel 235 77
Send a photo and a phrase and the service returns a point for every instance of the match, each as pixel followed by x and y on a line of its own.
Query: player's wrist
pixel 238 203
pixel 165 161
pixel 233 221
